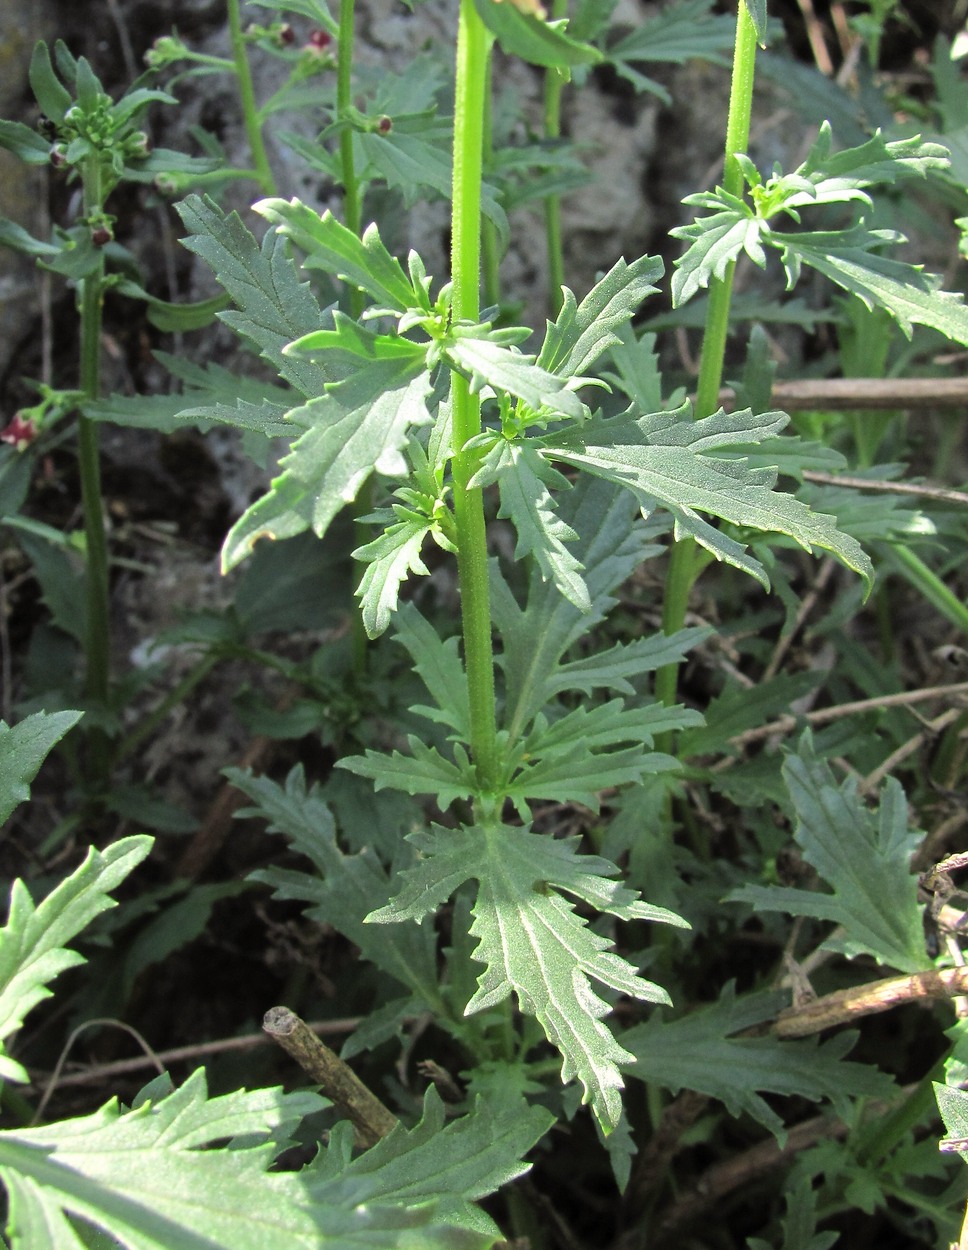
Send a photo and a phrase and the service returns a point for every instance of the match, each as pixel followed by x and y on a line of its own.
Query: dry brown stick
pixel 898 756
pixel 98 1022
pixel 943 494
pixel 652 1165
pixel 835 394
pixel 845 37
pixel 547 1211
pixel 927 852
pixel 904 698
pixel 371 1119
pixel 723 1178
pixel 846 1006
pixel 806 607
pixel 818 45
pixel 124 1067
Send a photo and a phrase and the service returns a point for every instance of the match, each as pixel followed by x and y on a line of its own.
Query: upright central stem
pixel 352 210
pixel 250 111
pixel 473 51
pixel 89 463
pixel 554 85
pixel 353 218
pixel 685 564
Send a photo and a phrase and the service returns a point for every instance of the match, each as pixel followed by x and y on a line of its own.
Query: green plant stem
pixel 553 86
pixel 489 236
pixel 177 695
pixel 98 626
pixel 930 585
pixel 473 52
pixel 352 207
pixel 877 1139
pixel 98 635
pixel 685 563
pixel 250 112
pixel 353 219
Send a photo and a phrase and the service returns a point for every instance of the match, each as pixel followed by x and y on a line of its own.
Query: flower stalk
pixel 91 295
pixel 554 84
pixel 686 561
pixel 473 52
pixel 250 111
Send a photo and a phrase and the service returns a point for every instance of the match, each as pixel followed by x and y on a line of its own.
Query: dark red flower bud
pixel 20 433
pixel 286 35
pixel 58 155
pixel 101 236
pixel 384 125
pixel 319 39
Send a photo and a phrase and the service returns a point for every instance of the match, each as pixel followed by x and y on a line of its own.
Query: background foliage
pixel 625 920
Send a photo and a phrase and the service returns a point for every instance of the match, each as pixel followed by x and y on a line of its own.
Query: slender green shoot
pixel 353 218
pixel 929 584
pixel 491 244
pixel 685 563
pixel 554 84
pixel 473 52
pixel 250 111
pixel 97 648
pixel 174 698
pixel 352 205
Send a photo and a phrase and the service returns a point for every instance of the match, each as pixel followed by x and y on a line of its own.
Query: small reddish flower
pixel 319 40
pixel 20 433
pixel 384 125
pixel 101 236
pixel 286 35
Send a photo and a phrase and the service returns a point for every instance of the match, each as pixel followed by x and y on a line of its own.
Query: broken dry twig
pixel 847 1006
pixel 371 1119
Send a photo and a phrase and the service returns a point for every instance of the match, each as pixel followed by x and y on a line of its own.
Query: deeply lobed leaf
pixel 450 1163
pixel 701 1051
pixel 532 941
pixel 329 245
pixel 140 1177
pixel 581 333
pixel 343 888
pixel 866 861
pixel 32 943
pixel 664 458
pixel 327 465
pixel 274 307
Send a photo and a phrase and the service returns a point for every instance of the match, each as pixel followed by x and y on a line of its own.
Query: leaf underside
pixel 532 941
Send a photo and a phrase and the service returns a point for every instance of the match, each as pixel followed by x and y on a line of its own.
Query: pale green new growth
pixel 32 943
pixel 849 257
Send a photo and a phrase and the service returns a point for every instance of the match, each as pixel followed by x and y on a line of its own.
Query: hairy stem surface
pixel 473 51
pixel 250 112
pixel 98 624
pixel 553 87
pixel 353 218
pixel 686 562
